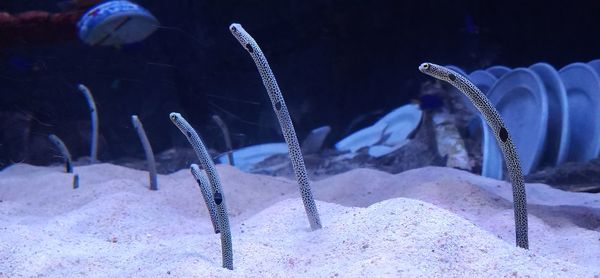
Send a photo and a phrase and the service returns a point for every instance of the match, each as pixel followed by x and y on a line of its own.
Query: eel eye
pixel 426 66
pixel 249 48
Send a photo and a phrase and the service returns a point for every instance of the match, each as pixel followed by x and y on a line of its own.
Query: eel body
pixel 226 136
pixel 62 148
pixel 94 115
pixel 139 128
pixel 207 195
pixel 211 171
pixel 285 121
pixel 495 122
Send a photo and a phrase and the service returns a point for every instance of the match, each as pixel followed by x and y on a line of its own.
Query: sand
pixel 425 222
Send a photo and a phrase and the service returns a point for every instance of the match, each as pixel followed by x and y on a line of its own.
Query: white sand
pixel 462 226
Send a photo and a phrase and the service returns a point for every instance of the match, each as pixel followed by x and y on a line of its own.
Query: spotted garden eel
pixel 285 121
pixel 75 181
pixel 139 128
pixel 226 136
pixel 215 182
pixel 94 114
pixel 62 148
pixel 502 135
pixel 206 194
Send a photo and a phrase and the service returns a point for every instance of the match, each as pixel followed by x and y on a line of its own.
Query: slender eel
pixel 209 166
pixel 94 115
pixel 75 181
pixel 137 125
pixel 502 135
pixel 284 121
pixel 62 148
pixel 206 194
pixel 225 131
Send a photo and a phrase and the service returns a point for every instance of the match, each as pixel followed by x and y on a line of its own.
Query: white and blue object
pixel 246 158
pixel 498 71
pixel 365 137
pixel 313 142
pixel 520 98
pixel 582 85
pixel 400 124
pixel 557 137
pixel 595 64
pixel 116 23
pixel 483 80
pixel 386 135
pixel 383 150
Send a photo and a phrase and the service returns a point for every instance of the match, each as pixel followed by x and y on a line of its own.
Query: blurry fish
pixel 363 120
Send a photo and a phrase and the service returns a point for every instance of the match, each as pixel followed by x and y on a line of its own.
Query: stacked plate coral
pixel 553 115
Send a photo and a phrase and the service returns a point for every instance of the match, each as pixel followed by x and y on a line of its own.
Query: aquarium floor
pixel 424 222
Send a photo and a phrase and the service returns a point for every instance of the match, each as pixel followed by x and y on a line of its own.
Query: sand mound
pixel 114 226
pixel 564 225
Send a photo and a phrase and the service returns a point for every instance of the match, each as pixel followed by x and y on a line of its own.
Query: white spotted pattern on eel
pixel 284 121
pixel 215 182
pixel 503 138
pixel 207 194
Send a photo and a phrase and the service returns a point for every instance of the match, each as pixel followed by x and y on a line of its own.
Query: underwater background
pixel 339 63
pixel 439 138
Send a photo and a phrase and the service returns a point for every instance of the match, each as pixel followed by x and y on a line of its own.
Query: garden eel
pixel 227 137
pixel 76 181
pixel 206 194
pixel 94 115
pixel 502 135
pixel 213 177
pixel 147 149
pixel 62 148
pixel 285 121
